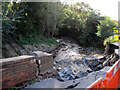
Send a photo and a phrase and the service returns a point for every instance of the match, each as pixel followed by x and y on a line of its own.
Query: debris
pixel 114 59
pixel 91 62
pixel 110 48
pixel 68 70
pixel 72 86
pixel 66 74
pixel 110 59
pixel 80 70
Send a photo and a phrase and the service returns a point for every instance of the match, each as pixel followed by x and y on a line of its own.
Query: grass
pixel 11 88
pixel 49 41
pixel 36 39
pixel 16 87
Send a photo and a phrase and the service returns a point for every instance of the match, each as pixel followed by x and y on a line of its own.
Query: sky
pixel 106 7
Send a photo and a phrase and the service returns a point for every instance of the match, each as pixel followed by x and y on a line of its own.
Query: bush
pixel 110 39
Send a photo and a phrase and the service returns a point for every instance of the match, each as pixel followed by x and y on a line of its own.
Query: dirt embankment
pixel 17 50
pixel 67 48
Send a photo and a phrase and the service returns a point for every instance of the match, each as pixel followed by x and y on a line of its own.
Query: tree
pixel 81 20
pixel 11 16
pixel 29 20
pixel 105 28
pixel 48 17
pixel 91 28
pixel 76 15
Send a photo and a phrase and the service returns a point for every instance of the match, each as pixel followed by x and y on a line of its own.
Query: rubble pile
pixel 110 59
pixel 110 56
pixel 69 70
pixel 72 61
pixel 72 51
pixel 66 68
pixel 78 67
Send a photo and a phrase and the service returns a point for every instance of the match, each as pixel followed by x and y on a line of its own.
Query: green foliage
pixel 90 29
pixel 49 21
pixel 23 84
pixel 26 28
pixel 49 41
pixel 31 81
pixel 8 26
pixel 33 23
pixel 110 39
pixel 82 19
pixel 105 28
pixel 35 39
pixel 11 88
pixel 11 16
pixel 76 15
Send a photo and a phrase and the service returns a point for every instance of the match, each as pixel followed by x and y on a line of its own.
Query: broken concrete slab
pixel 90 60
pixel 79 70
pixel 83 82
pixel 92 77
pixel 68 70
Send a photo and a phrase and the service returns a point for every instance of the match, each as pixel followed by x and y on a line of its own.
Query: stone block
pixel 44 60
pixel 46 67
pixel 42 57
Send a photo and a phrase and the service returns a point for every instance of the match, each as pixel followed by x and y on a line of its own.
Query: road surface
pixel 84 82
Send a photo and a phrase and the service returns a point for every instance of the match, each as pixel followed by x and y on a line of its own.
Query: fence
pixel 97 84
pixel 112 79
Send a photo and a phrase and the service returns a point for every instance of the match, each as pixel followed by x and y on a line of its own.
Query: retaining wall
pixel 22 68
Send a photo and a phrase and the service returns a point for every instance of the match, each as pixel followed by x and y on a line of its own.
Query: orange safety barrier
pixel 112 79
pixel 96 84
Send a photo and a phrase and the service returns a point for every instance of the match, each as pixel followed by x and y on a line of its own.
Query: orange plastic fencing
pixel 112 79
pixel 96 84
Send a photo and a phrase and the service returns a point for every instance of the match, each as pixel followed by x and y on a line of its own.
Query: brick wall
pixel 17 69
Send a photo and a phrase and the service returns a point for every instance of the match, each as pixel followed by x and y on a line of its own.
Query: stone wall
pixel 22 68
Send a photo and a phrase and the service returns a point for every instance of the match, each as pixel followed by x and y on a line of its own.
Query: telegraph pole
pixel 119 14
pixel 119 25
